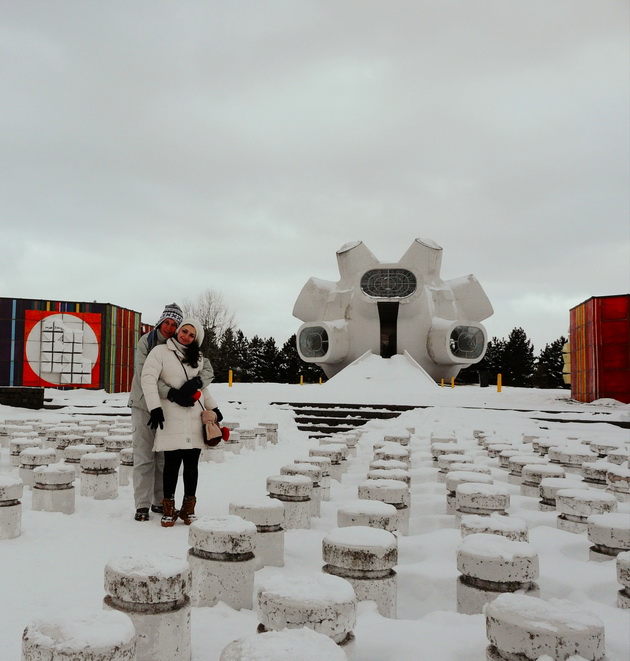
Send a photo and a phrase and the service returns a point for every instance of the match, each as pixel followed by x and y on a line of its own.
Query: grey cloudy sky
pixel 151 150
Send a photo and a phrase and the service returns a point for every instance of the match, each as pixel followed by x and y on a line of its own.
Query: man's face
pixel 168 328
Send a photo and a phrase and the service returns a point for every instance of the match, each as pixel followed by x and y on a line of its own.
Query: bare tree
pixel 212 310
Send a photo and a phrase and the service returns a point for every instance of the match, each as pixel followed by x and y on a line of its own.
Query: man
pixel 148 466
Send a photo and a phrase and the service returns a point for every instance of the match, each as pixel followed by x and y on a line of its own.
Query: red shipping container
pixel 600 349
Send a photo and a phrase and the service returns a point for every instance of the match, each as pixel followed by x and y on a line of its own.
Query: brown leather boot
pixel 170 515
pixel 187 512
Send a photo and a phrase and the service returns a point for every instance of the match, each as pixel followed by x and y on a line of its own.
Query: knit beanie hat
pixel 172 311
pixel 197 325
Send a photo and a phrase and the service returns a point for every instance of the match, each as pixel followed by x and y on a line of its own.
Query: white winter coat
pixel 182 424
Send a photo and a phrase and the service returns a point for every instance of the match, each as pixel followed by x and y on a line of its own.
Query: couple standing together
pixel 168 394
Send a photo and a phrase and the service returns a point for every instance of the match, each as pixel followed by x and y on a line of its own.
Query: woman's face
pixel 186 334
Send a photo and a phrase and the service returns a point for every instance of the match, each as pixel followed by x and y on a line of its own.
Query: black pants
pixel 172 461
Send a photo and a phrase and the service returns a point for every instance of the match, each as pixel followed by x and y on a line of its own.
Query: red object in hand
pixel 196 395
pixel 225 432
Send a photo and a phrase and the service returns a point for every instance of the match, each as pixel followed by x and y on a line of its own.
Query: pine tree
pixel 493 359
pixel 518 361
pixel 226 358
pixel 270 361
pixel 549 365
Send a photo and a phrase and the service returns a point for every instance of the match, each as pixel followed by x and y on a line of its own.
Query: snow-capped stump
pixel 571 456
pixel 11 489
pixel 342 450
pixel 533 474
pixel 576 505
pixel 390 474
pixel 99 636
pixel 594 473
pixel 324 464
pixel 529 438
pixel 541 445
pixel 387 464
pixel 506 455
pixel 438 449
pixel 445 461
pixel 324 603
pixel 620 456
pixel 490 565
pixel 315 474
pixel 389 451
pixel 99 479
pixel 401 438
pixel 335 454
pixel 618 480
pixel 517 462
pixel 125 469
pixel 286 645
pixel 526 628
pixel 152 590
pixel 261 436
pixel 267 514
pixel 73 453
pixel 474 468
pixel 482 499
pixel 248 438
pixel 443 436
pixel 549 487
pixel 295 492
pixel 495 524
pixel 603 448
pixel 455 478
pixel 372 513
pixel 609 534
pixel 117 442
pixel 393 492
pixel 95 437
pixel 222 561
pixel 271 431
pixel 623 577
pixel 17 445
pixel 32 458
pixel 366 558
pixel 65 440
pixel 494 449
pixel 233 444
pixel 53 488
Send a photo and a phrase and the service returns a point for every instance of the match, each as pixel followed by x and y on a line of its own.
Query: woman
pixel 178 428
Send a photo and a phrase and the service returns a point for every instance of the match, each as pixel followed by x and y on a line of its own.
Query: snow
pixel 56 565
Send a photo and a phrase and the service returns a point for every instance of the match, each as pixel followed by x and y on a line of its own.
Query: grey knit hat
pixel 172 311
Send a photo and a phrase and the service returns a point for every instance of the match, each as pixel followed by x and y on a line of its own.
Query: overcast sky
pixel 152 150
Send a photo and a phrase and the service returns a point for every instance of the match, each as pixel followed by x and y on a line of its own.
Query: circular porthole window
pixel 313 342
pixel 388 283
pixel 467 342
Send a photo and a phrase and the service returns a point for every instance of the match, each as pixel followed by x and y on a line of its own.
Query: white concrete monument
pixel 393 308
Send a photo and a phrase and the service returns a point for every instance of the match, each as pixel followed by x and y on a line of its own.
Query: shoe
pixel 187 512
pixel 157 509
pixel 142 514
pixel 170 514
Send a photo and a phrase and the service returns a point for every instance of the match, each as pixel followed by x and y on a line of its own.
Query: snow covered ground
pixel 57 563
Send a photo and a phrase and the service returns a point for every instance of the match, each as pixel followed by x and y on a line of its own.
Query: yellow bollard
pixel 442 383
pixel 498 383
pixel 320 380
pixel 452 382
pixel 230 378
pixel 301 379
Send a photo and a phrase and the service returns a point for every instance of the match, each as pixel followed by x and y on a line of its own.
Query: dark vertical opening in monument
pixel 388 315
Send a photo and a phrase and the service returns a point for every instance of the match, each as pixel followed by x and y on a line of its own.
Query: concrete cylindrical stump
pixel 576 505
pixel 524 627
pixel 125 469
pixel 495 524
pixel 11 489
pixel 393 492
pixel 101 636
pixel 366 558
pixel 99 479
pixel 315 474
pixel 222 561
pixel 609 534
pixel 371 513
pixel 533 474
pixel 33 458
pixel 53 488
pixel 482 499
pixel 271 429
pixel 324 464
pixel 618 481
pixel 153 591
pixel 327 604
pixel 623 577
pixel 295 493
pixel 17 445
pixel 267 514
pixel 491 565
pixel 247 438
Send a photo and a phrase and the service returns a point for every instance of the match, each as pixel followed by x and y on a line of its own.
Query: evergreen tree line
pixel 514 359
pixel 257 360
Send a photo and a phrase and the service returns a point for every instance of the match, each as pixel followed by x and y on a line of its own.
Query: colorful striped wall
pixel 600 349
pixel 104 338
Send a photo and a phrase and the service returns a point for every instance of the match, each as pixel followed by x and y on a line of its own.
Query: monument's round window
pixel 388 283
pixel 314 342
pixel 467 342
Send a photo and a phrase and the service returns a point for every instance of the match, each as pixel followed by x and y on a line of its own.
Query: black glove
pixel 180 398
pixel 191 386
pixel 156 417
pixel 219 414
